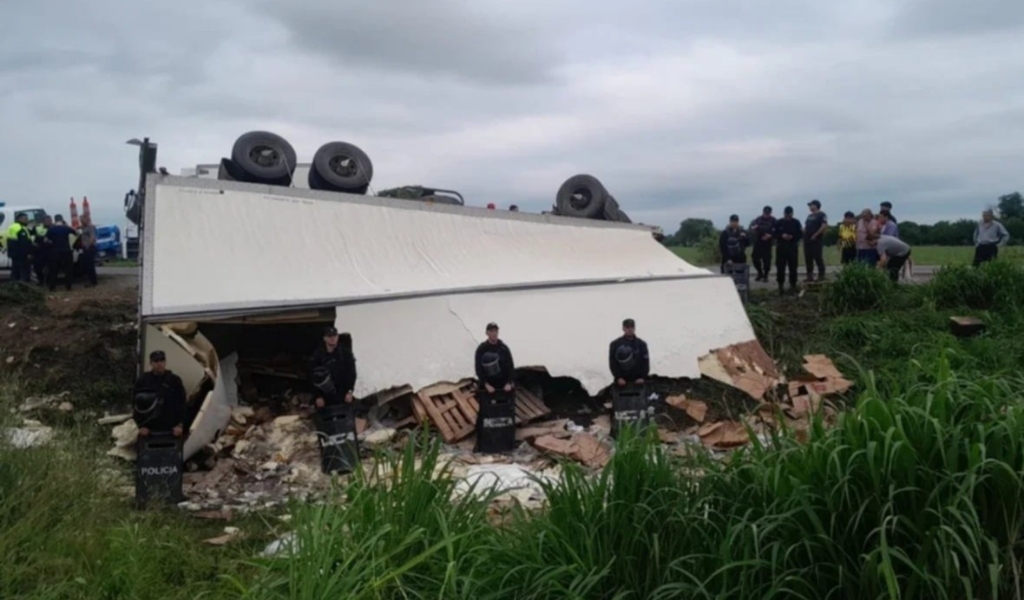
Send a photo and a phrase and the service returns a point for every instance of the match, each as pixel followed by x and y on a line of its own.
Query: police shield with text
pixel 495 371
pixel 333 374
pixel 630 364
pixel 159 406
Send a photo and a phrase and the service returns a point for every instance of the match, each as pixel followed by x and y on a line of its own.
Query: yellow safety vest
pixel 14 231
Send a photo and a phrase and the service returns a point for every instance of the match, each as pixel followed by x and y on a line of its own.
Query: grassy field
pixel 923 255
pixel 916 491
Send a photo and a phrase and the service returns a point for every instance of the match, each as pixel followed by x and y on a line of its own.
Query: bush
pixel 996 285
pixel 856 288
pixel 708 250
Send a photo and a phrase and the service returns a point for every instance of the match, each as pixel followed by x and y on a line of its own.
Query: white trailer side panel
pixel 215 246
pixel 567 330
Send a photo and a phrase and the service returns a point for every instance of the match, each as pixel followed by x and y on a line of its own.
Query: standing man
pixel 814 244
pixel 887 206
pixel 340 363
pixel 886 226
pixel 762 230
pixel 61 255
pixel 848 238
pixel 494 366
pixel 989 235
pixel 88 257
pixel 19 246
pixel 41 249
pixel 892 254
pixel 788 233
pixel 867 229
pixel 732 244
pixel 159 399
pixel 628 357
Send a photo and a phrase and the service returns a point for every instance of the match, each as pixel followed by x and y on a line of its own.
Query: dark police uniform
pixel 629 359
pixel 503 374
pixel 341 364
pixel 169 412
pixel 787 251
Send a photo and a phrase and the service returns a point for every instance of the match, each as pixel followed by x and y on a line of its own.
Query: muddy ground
pixel 82 341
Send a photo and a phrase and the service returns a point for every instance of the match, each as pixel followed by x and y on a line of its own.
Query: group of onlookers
pixel 872 239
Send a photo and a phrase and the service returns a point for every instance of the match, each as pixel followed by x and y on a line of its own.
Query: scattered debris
pixel 452 409
pixel 581 447
pixel 65 407
pixel 37 402
pixel 512 482
pixel 695 409
pixel 31 434
pixel 963 327
pixel 744 366
pixel 113 419
pixel 125 435
pixel 286 544
pixel 825 379
pixel 230 534
pixel 724 435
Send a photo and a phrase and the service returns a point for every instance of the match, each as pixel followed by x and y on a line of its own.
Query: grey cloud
pixel 455 38
pixel 956 18
pixel 695 108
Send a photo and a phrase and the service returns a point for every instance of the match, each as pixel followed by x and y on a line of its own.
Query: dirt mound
pixel 81 341
pixel 28 297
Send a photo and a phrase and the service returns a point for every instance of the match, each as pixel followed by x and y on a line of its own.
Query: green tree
pixel 1015 225
pixel 692 231
pixel 1011 205
pixel 912 233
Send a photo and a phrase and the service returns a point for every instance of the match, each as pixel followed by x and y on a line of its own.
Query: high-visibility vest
pixel 14 230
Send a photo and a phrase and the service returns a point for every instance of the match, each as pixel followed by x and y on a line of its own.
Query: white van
pixel 35 215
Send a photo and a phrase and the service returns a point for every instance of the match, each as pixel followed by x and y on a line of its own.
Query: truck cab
pixel 7 212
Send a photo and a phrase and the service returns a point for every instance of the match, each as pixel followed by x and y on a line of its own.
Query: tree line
pixel 1009 209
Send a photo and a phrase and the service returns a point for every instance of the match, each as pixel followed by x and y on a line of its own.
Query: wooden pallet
pixel 454 413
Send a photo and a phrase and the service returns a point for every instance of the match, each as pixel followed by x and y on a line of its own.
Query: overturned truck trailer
pixel 230 266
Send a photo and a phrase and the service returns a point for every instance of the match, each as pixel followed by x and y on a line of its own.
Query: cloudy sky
pixel 683 108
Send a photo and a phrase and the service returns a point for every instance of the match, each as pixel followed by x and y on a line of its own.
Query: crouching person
pixel 159 406
pixel 892 255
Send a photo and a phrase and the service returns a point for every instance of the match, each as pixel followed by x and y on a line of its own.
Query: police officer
pixel 788 232
pixel 628 357
pixel 762 229
pixel 41 249
pixel 494 365
pixel 732 244
pixel 338 362
pixel 19 246
pixel 159 399
pixel 58 236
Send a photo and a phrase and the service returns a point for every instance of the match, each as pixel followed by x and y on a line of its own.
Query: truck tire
pixel 265 157
pixel 317 183
pixel 230 171
pixel 612 212
pixel 344 167
pixel 582 196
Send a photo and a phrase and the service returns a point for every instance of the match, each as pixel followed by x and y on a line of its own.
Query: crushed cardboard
pixel 744 366
pixel 582 447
